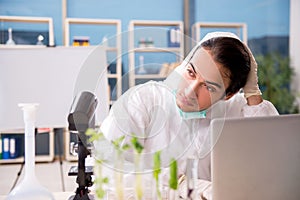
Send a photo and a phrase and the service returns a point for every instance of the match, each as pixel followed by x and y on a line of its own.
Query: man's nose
pixel 191 89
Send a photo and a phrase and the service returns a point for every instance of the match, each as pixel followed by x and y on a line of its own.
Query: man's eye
pixel 210 88
pixel 191 73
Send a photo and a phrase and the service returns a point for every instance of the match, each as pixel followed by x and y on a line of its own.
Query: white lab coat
pixel 149 111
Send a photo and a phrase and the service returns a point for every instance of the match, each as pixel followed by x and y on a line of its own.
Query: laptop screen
pixel 256 158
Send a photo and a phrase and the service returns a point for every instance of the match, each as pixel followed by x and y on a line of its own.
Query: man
pixel 174 116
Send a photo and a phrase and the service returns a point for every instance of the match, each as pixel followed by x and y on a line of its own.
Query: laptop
pixel 256 158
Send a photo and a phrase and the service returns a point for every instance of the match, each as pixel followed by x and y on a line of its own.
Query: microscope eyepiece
pixel 82 112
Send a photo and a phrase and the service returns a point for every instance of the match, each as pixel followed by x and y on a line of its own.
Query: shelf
pixel 154 23
pixel 22 46
pixel 24 19
pixel 157 49
pixel 38 158
pixel 148 76
pixel 198 26
pixel 171 47
pixel 111 49
pixel 112 75
pixel 117 48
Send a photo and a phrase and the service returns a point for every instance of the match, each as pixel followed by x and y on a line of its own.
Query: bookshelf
pixel 117 48
pixel 240 29
pixel 136 26
pixel 24 19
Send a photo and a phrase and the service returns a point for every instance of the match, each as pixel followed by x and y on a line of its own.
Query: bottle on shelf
pixel 40 39
pixel 81 41
pixel 141 69
pixel 149 42
pixel 105 41
pixel 142 43
pixel 174 37
pixel 10 40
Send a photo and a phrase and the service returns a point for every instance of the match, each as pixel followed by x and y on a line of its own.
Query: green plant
pixel 138 148
pixel 157 171
pixel 274 78
pixel 173 181
pixel 100 181
pixel 119 148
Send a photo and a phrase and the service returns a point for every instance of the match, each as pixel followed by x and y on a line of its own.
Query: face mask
pixel 190 115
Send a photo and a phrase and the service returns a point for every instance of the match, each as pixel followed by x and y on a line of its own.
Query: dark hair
pixel 234 57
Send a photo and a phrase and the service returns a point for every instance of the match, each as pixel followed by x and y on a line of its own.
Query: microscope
pixel 80 118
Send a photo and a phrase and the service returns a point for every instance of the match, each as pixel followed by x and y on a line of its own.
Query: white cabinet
pixel 117 48
pixel 50 77
pixel 160 39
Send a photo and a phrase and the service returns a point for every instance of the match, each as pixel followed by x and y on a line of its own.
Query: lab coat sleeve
pixel 237 107
pixel 128 116
pixel 265 108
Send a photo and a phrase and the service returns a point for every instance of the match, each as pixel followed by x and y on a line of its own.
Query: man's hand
pixel 207 193
pixel 251 88
pixel 203 189
pixel 254 100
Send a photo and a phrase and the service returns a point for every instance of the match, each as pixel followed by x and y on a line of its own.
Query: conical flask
pixel 29 188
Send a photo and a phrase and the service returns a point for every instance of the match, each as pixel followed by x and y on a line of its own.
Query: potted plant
pixel 274 78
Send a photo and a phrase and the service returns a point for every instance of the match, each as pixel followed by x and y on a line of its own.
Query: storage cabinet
pixel 13 146
pixel 160 39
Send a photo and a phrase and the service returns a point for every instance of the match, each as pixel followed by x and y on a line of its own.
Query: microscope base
pixel 85 196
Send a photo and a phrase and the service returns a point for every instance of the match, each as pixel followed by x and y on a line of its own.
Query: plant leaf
pixel 137 145
pixel 156 165
pixel 173 182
